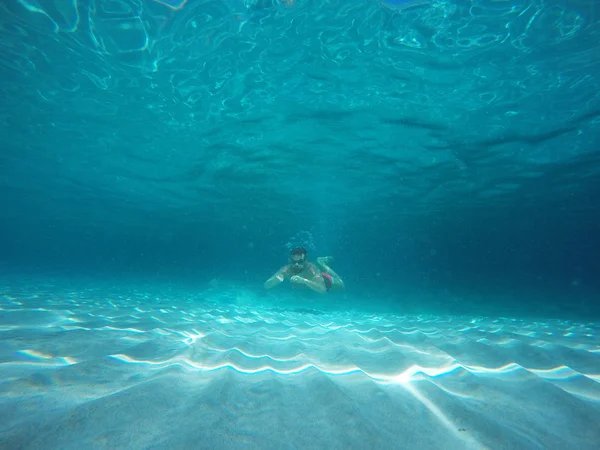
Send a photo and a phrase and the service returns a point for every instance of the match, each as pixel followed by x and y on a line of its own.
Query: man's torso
pixel 310 272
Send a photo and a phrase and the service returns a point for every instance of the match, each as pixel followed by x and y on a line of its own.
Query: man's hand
pixel 297 280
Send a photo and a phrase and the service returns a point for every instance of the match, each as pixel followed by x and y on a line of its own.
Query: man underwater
pixel 301 272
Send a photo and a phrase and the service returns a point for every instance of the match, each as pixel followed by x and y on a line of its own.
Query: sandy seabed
pixel 82 370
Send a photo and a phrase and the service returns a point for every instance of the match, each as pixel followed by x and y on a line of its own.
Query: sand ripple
pixel 78 371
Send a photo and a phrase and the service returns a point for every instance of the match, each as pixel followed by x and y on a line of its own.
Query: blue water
pixel 446 155
pixel 159 159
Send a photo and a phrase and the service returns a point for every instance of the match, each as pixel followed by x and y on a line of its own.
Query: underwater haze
pixel 449 148
pixel 159 159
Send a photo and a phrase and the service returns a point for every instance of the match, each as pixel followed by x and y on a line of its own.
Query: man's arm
pixel 315 280
pixel 277 278
pixel 314 285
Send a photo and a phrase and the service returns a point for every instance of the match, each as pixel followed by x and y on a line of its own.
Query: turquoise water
pixel 159 159
pixel 438 150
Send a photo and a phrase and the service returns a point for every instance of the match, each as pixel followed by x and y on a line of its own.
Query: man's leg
pixel 323 262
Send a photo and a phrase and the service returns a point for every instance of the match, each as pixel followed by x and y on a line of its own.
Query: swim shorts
pixel 328 280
